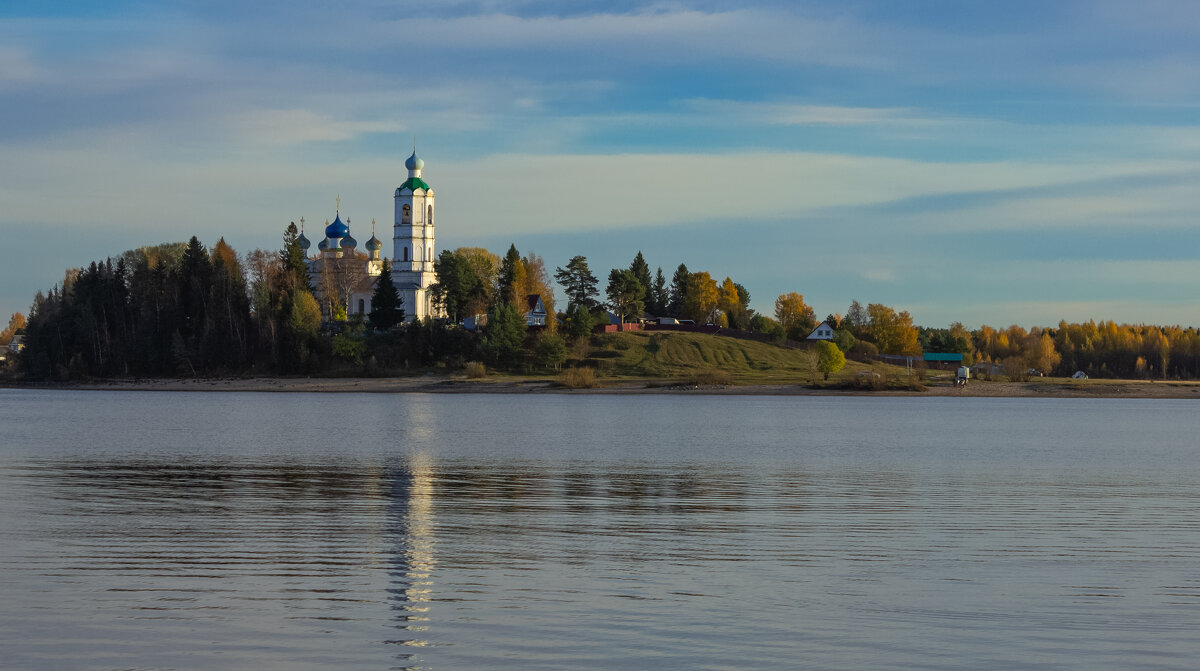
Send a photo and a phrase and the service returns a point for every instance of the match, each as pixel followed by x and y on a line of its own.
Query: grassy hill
pixel 679 357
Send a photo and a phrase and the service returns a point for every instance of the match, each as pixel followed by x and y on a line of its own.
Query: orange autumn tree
pixel 702 297
pixel 893 332
pixel 797 317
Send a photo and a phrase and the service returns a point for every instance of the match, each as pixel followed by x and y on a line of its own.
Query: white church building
pixel 342 276
pixel 413 249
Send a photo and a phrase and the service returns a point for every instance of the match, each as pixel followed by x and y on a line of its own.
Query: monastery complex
pixel 339 269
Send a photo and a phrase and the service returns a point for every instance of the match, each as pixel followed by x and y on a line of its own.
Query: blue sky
pixel 1018 162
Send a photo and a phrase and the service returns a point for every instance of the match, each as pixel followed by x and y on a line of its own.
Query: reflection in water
pixel 417 416
pixel 483 544
pixel 413 560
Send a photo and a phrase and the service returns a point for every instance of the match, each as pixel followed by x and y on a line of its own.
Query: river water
pixel 410 531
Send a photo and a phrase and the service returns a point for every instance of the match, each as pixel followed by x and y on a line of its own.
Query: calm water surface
pixel 407 531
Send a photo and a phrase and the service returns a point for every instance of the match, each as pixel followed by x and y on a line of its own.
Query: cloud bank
pixel 983 163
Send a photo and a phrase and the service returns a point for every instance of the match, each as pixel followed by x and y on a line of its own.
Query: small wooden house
pixel 535 312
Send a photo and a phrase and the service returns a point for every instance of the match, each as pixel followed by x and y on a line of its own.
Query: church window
pixel 429 218
pixel 430 253
pixel 406 252
pixel 405 214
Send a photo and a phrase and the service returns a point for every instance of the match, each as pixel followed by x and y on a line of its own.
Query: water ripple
pixel 815 536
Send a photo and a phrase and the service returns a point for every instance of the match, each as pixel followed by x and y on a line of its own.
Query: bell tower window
pixel 406 214
pixel 429 216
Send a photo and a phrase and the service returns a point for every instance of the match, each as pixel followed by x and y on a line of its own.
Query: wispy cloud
pixel 801 114
pixel 661 33
pixel 17 66
pixel 877 140
pixel 291 126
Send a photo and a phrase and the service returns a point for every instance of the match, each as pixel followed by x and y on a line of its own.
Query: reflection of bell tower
pixel 413 240
pixel 414 561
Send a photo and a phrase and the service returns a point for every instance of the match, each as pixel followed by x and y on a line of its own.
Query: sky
pixel 975 161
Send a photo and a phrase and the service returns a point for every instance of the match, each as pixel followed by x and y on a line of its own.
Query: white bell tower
pixel 413 251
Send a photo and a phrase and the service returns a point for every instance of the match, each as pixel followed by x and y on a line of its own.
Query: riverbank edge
pixel 433 384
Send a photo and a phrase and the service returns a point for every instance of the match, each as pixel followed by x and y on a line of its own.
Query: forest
pixel 182 309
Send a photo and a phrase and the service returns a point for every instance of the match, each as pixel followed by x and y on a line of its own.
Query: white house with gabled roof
pixel 823 332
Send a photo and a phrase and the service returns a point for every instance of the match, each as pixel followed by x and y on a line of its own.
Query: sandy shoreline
pixel 442 384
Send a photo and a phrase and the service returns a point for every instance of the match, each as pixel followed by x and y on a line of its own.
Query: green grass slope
pixel 675 356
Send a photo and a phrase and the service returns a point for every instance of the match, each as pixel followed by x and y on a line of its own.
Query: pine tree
pixel 625 294
pixel 578 283
pixel 386 304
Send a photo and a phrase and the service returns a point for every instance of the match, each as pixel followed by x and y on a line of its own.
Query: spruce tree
pixel 641 270
pixel 386 304
pixel 292 256
pixel 447 291
pixel 507 277
pixel 192 288
pixel 505 334
pixel 657 296
pixel 678 295
pixel 579 321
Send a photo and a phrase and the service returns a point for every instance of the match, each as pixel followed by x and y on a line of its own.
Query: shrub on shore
pixel 475 370
pixel 711 378
pixel 578 378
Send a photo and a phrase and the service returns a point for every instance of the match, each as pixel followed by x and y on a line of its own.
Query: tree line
pixel 176 308
pixel 1099 349
pixel 184 309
